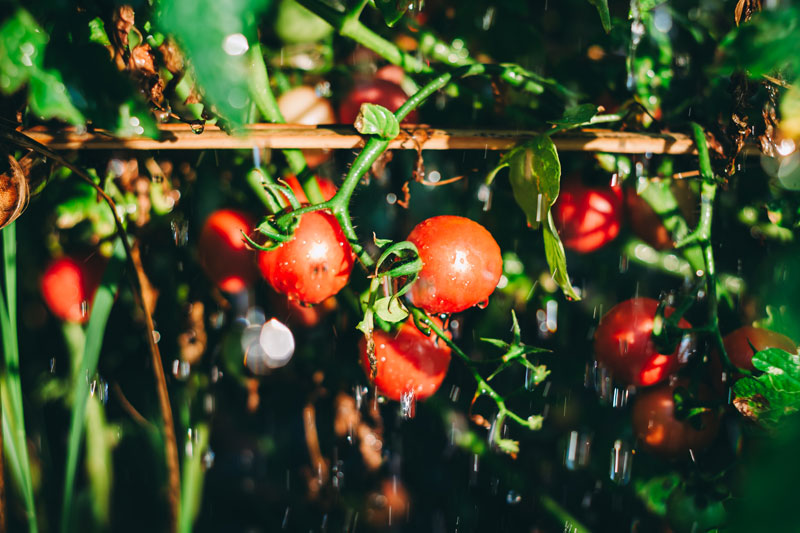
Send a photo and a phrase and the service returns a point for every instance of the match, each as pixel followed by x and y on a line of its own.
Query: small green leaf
pixel 654 492
pixel 556 258
pixel 535 178
pixel 381 243
pixel 577 115
pixel 48 98
pixel 602 10
pixel 392 10
pixel 498 343
pixel 22 43
pixel 373 119
pixel 97 32
pixel 390 309
pixel 772 395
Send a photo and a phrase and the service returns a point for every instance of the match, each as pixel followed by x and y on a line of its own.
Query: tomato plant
pixel 378 91
pixel 461 264
pixel 408 362
pixel 326 187
pixel 223 251
pixel 624 344
pixel 314 265
pixel 588 218
pixel 658 427
pixel 68 285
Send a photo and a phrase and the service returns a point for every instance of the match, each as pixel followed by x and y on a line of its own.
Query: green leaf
pixel 374 119
pixel 556 258
pixel 22 43
pixel 48 98
pixel 772 395
pixel 390 309
pixel 602 10
pixel 535 178
pixel 577 115
pixel 215 37
pixel 297 25
pixel 97 32
pixel 392 10
pixel 655 491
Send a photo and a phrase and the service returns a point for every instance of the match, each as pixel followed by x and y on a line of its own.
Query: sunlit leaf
pixel 655 491
pixel 602 10
pixel 390 309
pixel 577 115
pixel 535 178
pixel 772 395
pixel 48 98
pixel 556 258
pixel 297 25
pixel 374 119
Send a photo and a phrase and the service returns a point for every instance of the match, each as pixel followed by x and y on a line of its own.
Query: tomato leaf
pixel 392 10
pixel 605 15
pixel 374 119
pixel 772 395
pixel 535 178
pixel 390 309
pixel 556 258
pixel 577 115
pixel 655 491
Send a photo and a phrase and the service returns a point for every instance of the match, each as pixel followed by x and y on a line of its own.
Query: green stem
pixel 192 481
pixel 261 92
pixel 14 436
pixel 256 178
pixel 568 521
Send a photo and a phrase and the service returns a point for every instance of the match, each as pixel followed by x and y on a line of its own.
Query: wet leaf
pixel 390 309
pixel 392 10
pixel 556 258
pixel 535 178
pixel 602 10
pixel 48 98
pixel 577 115
pixel 374 119
pixel 772 395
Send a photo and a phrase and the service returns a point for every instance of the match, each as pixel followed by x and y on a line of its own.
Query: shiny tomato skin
pixel 381 92
pixel 587 218
pixel 655 425
pixel 461 264
pixel 223 251
pixel 68 286
pixel 314 265
pixel 326 187
pixel 623 343
pixel 408 361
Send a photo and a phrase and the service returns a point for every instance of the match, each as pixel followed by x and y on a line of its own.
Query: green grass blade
pixel 15 439
pixel 101 308
pixel 192 479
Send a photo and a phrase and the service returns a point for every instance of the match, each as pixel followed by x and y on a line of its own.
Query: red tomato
pixel 461 264
pixel 381 92
pixel 623 343
pixel 738 347
pixel 223 251
pixel 408 362
pixel 302 105
pixel 326 186
pixel 655 425
pixel 68 286
pixel 587 218
pixel 392 73
pixel 314 265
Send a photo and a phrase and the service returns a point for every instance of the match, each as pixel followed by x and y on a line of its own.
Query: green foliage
pixel 296 24
pixel 655 491
pixel 374 119
pixel 602 10
pixel 392 10
pixel 769 397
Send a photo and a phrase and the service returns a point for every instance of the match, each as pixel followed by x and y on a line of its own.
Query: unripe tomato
pixel 381 92
pixel 326 187
pixel 302 105
pixel 314 265
pixel 623 343
pixel 587 218
pixel 408 362
pixel 655 425
pixel 223 251
pixel 461 264
pixel 68 286
pixel 740 345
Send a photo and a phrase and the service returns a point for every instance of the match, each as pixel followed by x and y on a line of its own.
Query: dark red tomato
pixel 461 264
pixel 314 265
pixel 740 345
pixel 658 430
pixel 623 343
pixel 326 186
pixel 587 218
pixel 408 362
pixel 381 92
pixel 68 286
pixel 223 251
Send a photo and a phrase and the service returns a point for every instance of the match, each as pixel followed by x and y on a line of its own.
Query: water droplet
pixel 198 126
pixel 578 450
pixel 513 497
pixel 408 404
pixel 483 304
pixel 181 369
pixel 208 459
pixel 621 462
pixel 156 336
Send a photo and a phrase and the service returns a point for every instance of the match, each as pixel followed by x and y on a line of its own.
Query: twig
pixel 282 136
pixel 128 407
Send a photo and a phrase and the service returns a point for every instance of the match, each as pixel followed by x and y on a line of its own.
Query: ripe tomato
pixel 314 265
pixel 68 286
pixel 326 186
pixel 738 347
pixel 655 425
pixel 461 264
pixel 223 252
pixel 408 362
pixel 381 92
pixel 587 218
pixel 623 343
pixel 302 105
pixel 392 73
